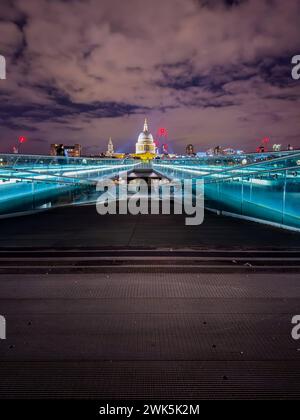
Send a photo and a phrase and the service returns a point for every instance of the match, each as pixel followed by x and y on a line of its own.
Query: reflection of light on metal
pixel 261 181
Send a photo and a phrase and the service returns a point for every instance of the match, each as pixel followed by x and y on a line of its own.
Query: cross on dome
pixel 146 129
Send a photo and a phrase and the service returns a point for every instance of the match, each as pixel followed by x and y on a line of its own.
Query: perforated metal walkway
pixel 150 336
pixel 147 320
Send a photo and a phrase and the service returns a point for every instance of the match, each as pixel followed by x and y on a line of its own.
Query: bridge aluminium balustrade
pixel 16 160
pixel 28 184
pixel 267 191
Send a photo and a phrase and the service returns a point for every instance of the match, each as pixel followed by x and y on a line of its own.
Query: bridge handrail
pixel 51 178
pixel 245 167
pixel 17 158
pixel 253 174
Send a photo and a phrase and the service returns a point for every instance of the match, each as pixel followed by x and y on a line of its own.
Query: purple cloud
pixel 213 72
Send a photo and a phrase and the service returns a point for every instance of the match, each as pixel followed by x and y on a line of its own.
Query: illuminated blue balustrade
pixel 34 182
pixel 265 187
pixel 266 190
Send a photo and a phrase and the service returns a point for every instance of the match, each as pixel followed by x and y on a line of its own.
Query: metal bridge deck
pixel 155 335
pixel 82 227
pixel 88 320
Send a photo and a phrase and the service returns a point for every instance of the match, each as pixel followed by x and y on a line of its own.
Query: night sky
pixel 213 72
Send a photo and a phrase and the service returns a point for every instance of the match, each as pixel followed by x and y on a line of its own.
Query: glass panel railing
pixel 39 161
pixel 273 197
pixel 267 191
pixel 30 188
pixel 213 169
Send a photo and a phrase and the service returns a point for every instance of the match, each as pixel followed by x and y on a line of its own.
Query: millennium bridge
pixel 259 187
pixel 143 306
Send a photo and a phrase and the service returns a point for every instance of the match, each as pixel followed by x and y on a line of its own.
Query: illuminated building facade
pixel 110 148
pixel 190 150
pixel 72 151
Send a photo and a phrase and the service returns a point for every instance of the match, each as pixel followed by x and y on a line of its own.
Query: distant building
pixel 165 149
pixel 71 151
pixel 210 152
pixel 276 147
pixel 218 150
pixel 229 151
pixel 190 150
pixel 110 148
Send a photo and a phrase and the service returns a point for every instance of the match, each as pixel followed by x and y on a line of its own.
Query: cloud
pixel 214 72
pixel 11 37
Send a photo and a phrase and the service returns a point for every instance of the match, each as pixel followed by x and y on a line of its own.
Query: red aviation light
pixel 266 140
pixel 162 132
pixel 22 139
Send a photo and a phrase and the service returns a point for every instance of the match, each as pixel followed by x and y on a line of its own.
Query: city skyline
pixel 211 72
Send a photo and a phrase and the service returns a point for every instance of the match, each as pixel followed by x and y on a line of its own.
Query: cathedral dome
pixel 145 143
pixel 145 136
